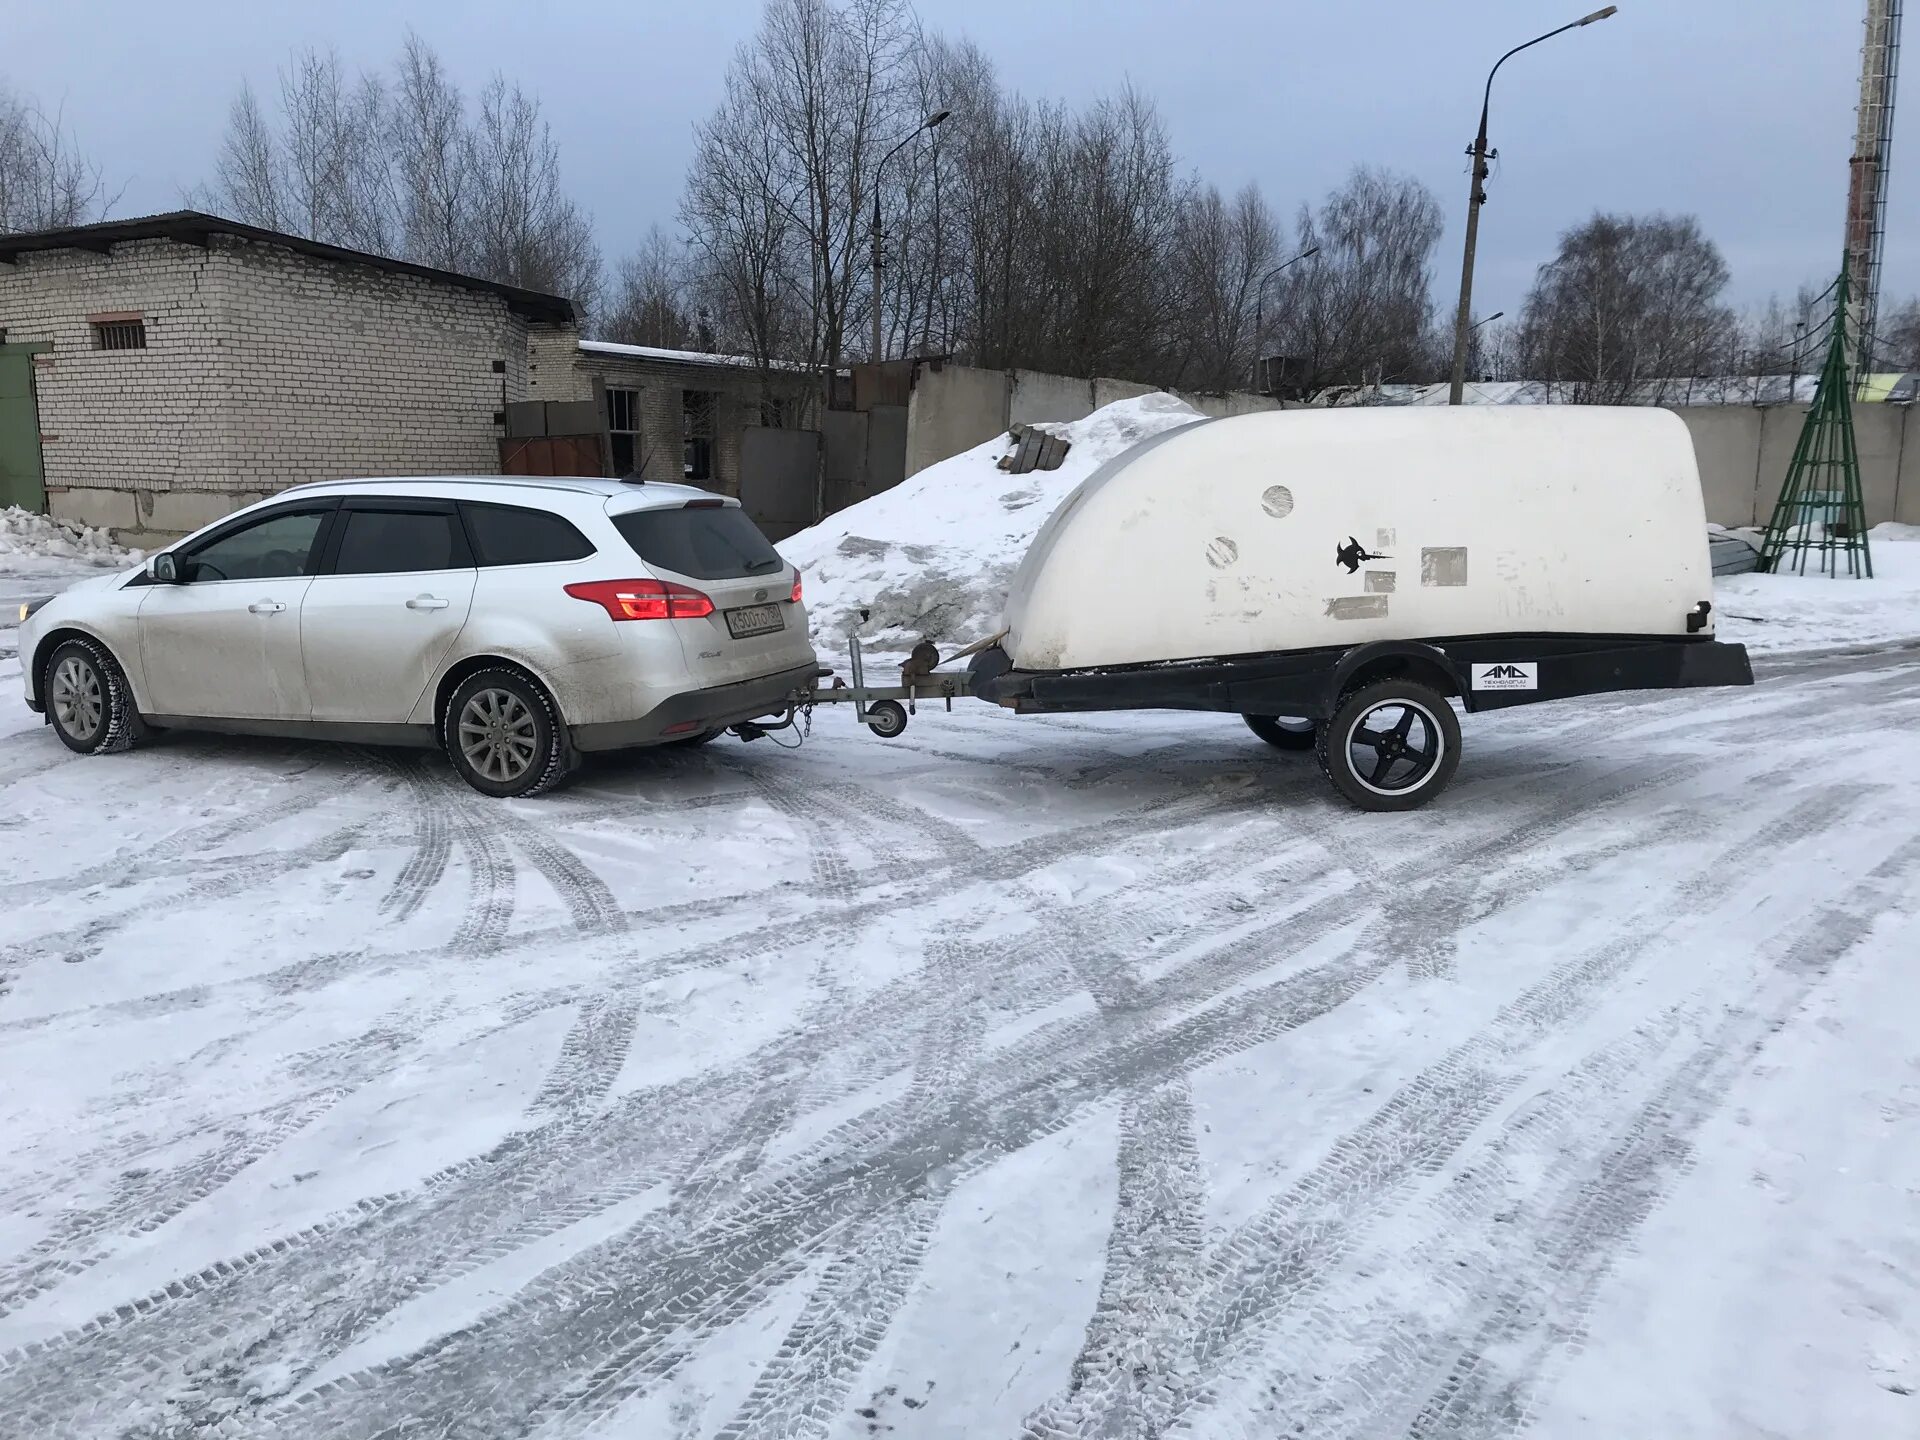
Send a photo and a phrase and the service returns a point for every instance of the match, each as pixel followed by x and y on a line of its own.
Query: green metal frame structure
pixel 1820 512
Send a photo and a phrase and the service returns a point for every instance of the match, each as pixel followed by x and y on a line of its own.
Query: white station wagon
pixel 516 622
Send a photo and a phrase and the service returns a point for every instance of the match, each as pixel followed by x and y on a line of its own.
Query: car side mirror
pixel 163 569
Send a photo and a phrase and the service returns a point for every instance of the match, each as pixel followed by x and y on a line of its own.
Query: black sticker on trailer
pixel 1352 553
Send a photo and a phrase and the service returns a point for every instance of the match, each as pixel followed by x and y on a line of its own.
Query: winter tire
pixel 1283 732
pixel 504 735
pixel 1391 745
pixel 887 718
pixel 88 700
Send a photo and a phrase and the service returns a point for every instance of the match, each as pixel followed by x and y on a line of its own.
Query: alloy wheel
pixel 498 735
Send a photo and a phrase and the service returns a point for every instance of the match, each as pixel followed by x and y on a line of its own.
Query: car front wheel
pixel 88 699
pixel 504 735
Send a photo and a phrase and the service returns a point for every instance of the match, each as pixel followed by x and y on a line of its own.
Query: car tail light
pixel 794 598
pixel 643 599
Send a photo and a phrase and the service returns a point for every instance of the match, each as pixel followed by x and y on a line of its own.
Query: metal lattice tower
pixel 1867 186
pixel 1819 511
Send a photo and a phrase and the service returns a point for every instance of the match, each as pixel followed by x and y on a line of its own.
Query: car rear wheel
pixel 1391 745
pixel 504 735
pixel 1283 732
pixel 88 699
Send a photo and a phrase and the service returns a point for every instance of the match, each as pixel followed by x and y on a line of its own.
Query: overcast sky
pixel 1737 111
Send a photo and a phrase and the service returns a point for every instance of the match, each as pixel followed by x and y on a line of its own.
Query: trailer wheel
pixel 1283 732
pixel 887 718
pixel 1391 745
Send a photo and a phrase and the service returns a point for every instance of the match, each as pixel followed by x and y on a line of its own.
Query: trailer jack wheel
pixel 886 718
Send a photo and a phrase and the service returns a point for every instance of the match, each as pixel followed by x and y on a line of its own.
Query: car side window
pixel 515 535
pixel 276 548
pixel 390 542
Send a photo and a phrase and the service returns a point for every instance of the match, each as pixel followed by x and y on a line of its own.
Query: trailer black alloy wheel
pixel 887 718
pixel 1283 732
pixel 1391 745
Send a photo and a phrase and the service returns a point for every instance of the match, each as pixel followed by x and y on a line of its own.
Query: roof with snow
pixel 1694 390
pixel 682 357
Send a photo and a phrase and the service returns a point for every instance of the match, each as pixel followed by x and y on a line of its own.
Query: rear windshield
pixel 710 543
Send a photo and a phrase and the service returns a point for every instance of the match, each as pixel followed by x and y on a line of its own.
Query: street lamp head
pixel 1599 14
pixel 1308 253
pixel 934 119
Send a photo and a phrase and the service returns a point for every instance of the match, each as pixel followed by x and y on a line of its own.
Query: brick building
pixel 182 365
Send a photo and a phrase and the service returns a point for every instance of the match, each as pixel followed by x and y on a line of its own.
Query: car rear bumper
pixel 692 711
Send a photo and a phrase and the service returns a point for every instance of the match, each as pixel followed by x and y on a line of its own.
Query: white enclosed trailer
pixel 1359 569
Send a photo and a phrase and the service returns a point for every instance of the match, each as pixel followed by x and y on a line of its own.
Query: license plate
pixel 754 620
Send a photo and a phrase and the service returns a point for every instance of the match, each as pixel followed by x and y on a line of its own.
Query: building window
pixel 773 412
pixel 623 429
pixel 119 332
pixel 696 431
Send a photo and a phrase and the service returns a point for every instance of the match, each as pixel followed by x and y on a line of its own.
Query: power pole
pixel 1867 187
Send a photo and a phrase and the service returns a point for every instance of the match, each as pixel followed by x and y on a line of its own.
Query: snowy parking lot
pixel 1098 1076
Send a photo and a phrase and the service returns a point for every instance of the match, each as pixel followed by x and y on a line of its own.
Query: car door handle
pixel 265 607
pixel 427 602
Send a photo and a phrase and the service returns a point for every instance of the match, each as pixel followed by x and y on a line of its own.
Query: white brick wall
pixel 263 368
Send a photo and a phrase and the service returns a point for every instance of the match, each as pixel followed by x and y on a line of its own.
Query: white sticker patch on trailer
pixel 1507 675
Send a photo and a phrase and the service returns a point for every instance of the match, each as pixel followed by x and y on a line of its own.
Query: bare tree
pixel 411 171
pixel 248 185
pixel 433 161
pixel 1360 311
pixel 46 181
pixel 1222 252
pixel 527 231
pixel 335 183
pixel 1630 305
pixel 650 304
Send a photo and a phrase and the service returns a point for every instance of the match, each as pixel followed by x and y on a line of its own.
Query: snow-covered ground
pixel 1091 1076
pixel 1772 614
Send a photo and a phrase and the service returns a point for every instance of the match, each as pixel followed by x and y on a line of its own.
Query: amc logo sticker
pixel 1508 675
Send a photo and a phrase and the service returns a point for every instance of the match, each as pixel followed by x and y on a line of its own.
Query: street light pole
pixel 874 233
pixel 1477 196
pixel 1260 298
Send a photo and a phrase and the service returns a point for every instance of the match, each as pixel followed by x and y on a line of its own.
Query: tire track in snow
pixel 1258 1274
pixel 1547 1291
pixel 727 1272
pixel 143 1207
pixel 1012 872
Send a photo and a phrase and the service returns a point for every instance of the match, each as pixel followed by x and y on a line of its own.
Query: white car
pixel 516 622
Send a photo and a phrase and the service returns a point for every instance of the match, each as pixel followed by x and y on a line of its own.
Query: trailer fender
pixel 1382 659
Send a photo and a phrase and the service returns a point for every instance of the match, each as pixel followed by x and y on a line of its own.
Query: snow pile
pixel 39 544
pixel 1774 613
pixel 934 555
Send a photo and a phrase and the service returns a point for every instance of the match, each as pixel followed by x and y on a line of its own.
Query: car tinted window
pixel 513 535
pixel 275 548
pixel 386 542
pixel 707 543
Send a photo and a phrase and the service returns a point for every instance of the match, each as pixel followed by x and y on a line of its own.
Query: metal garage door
pixel 22 482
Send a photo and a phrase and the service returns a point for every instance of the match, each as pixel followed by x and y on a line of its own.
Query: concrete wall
pixel 1726 443
pixel 1744 453
pixel 954 407
pixel 263 368
pixel 1039 396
